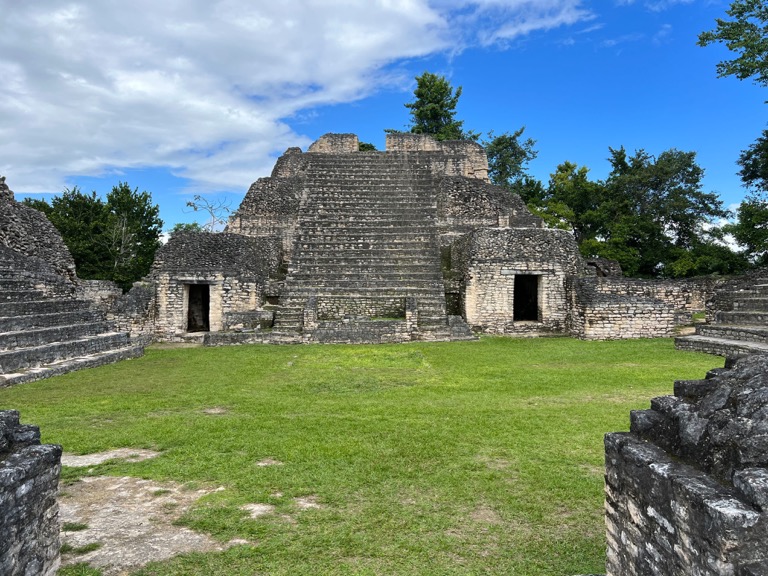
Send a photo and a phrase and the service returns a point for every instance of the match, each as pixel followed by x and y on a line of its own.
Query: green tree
pixel 747 35
pixel 185 227
pixel 508 158
pixel 572 201
pixel 654 211
pixel 750 229
pixel 113 240
pixel 433 111
pixel 132 233
pixel 366 147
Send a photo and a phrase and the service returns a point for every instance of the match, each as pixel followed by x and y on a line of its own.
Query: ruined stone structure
pixel 29 514
pixel 413 243
pixel 737 319
pixel 339 245
pixel 687 487
pixel 50 321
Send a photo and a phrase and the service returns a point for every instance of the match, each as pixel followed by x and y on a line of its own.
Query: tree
pixel 185 227
pixel 750 229
pixel 508 158
pixel 113 240
pixel 216 210
pixel 132 233
pixel 572 201
pixel 366 147
pixel 434 109
pixel 653 212
pixel 747 35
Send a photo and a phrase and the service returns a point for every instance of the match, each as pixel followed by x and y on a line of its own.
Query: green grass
pixel 445 458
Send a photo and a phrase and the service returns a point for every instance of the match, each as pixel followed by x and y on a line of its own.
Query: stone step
pixel 376 256
pixel 14 323
pixel 720 346
pixel 23 359
pixel 742 318
pixel 356 271
pixel 364 239
pixel 15 283
pixel 358 194
pixel 99 358
pixel 753 304
pixel 40 336
pixel 734 332
pixel 21 295
pixel 47 306
pixel 369 214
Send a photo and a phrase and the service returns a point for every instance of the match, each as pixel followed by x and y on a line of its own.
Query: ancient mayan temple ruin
pixel 412 243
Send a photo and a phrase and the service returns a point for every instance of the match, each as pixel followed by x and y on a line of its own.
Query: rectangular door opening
pixel 526 298
pixel 198 309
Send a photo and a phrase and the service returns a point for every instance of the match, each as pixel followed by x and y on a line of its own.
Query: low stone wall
pixel 29 514
pixel 330 308
pixel 687 488
pixel 103 293
pixel 605 308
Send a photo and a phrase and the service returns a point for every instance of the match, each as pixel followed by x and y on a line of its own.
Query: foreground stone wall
pixel 29 514
pixel 30 233
pixel 687 487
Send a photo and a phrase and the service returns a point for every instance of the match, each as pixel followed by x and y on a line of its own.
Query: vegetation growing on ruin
pixel 445 458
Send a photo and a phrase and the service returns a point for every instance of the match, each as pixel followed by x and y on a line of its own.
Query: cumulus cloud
pixel 205 87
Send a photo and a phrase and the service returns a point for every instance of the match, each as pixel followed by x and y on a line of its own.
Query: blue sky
pixel 201 96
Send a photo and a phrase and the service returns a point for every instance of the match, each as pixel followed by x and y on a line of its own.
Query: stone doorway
pixel 198 308
pixel 526 298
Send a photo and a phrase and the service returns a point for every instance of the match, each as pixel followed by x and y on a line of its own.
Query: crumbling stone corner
pixel 687 488
pixel 29 513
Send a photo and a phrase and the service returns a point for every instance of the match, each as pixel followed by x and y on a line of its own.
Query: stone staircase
pixel 367 240
pixel 737 332
pixel 44 334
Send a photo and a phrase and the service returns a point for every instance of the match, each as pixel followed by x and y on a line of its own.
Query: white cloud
pixel 205 86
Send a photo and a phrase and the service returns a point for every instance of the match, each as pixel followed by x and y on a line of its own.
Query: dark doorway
pixel 198 308
pixel 526 305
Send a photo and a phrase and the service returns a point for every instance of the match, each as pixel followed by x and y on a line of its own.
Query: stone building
pixel 412 243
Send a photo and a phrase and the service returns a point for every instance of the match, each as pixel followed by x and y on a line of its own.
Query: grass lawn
pixel 437 458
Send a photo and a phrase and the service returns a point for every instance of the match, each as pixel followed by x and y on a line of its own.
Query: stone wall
pixel 489 260
pixel 456 158
pixel 336 144
pixel 687 487
pixel 29 514
pixel 330 308
pixel 29 232
pixel 464 204
pixel 605 308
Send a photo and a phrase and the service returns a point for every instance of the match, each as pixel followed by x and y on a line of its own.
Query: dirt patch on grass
pixel 215 410
pixel 127 454
pixel 269 462
pixel 128 523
